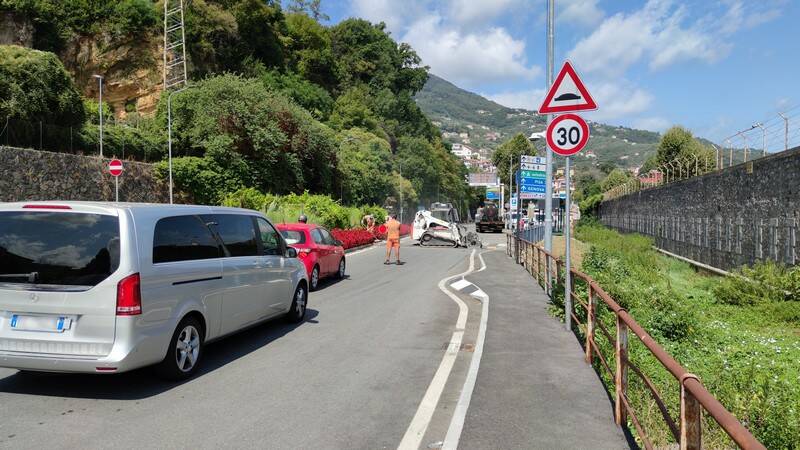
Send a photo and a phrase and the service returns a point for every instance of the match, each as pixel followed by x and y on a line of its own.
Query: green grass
pixel 748 355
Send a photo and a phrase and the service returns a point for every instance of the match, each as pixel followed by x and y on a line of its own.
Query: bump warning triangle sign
pixel 567 94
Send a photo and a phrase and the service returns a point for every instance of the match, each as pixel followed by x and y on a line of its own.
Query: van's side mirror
pixel 290 252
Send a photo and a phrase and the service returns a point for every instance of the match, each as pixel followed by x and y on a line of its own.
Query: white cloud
pixel 528 99
pixel 658 124
pixel 477 12
pixel 469 58
pixel 387 11
pixel 656 32
pixel 580 12
pixel 618 99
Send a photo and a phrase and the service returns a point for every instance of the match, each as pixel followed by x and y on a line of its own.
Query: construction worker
pixel 393 239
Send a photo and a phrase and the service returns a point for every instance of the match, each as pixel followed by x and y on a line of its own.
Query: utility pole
pixel 548 199
pixel 785 132
pixel 100 107
pixel 174 66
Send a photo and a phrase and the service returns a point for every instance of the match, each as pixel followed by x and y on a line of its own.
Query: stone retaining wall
pixel 725 219
pixel 36 175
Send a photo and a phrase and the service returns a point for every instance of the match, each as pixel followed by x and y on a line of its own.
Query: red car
pixel 320 252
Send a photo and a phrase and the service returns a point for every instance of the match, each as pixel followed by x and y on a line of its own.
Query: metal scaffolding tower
pixel 174 45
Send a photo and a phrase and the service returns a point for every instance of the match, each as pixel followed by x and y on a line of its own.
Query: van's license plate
pixel 50 324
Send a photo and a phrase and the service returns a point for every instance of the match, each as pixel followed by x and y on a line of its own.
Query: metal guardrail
pixel 694 397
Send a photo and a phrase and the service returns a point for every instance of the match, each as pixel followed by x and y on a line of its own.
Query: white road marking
pixel 460 284
pixel 460 413
pixel 419 424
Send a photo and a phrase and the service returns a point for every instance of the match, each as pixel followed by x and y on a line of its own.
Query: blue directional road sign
pixel 531 179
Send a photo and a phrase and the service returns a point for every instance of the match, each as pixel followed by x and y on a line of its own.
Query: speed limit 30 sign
pixel 567 134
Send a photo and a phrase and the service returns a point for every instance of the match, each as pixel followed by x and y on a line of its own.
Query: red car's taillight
pixel 129 296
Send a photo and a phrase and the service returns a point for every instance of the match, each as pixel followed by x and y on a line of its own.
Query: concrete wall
pixel 35 175
pixel 725 219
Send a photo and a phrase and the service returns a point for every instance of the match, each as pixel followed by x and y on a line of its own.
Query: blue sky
pixel 714 66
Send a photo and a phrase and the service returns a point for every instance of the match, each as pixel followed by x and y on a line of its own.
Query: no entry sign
pixel 567 134
pixel 115 167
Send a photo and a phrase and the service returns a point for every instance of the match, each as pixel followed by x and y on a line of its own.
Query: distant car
pixel 111 287
pixel 322 255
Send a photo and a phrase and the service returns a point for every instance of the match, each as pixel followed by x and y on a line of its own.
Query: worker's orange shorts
pixel 392 243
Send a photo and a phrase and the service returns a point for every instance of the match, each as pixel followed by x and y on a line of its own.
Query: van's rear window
pixel 56 248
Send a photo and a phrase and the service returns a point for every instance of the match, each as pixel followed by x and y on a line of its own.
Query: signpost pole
pixel 548 198
pixel 116 189
pixel 567 257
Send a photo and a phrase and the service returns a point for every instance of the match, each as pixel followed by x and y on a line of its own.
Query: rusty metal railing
pixel 694 398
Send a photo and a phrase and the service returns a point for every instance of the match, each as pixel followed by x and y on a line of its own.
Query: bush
pixel 320 209
pixel 765 282
pixel 355 237
pixel 280 144
pixel 35 86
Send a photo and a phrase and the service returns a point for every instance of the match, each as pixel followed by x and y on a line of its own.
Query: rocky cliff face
pixel 132 73
pixel 15 30
pixel 132 70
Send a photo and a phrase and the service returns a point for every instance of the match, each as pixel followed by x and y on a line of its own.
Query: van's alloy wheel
pixel 299 302
pixel 184 352
pixel 187 348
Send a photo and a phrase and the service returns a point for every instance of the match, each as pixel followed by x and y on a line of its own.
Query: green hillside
pixel 489 124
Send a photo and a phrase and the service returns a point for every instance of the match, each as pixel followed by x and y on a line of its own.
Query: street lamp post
pixel 100 107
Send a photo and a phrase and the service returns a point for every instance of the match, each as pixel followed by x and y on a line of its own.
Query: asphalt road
pixel 351 376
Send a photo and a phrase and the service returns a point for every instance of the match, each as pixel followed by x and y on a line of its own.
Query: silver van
pixel 110 287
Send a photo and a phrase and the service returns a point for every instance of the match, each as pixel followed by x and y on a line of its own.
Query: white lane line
pixel 460 284
pixel 460 413
pixel 419 424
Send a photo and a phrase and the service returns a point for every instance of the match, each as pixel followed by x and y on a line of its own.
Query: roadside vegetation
pixel 278 101
pixel 740 335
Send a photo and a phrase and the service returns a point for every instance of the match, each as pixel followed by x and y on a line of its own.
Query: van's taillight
pixel 46 207
pixel 129 296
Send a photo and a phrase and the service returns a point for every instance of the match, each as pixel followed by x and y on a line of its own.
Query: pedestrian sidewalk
pixel 533 390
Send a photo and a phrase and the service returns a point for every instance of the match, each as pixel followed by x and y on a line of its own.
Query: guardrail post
pixel 691 417
pixel 590 318
pixel 621 376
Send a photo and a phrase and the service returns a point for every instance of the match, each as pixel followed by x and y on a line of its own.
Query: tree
pixel 312 7
pixel 310 96
pixel 34 86
pixel 365 54
pixel 680 147
pixel 308 49
pixel 515 147
pixel 617 177
pixel 365 168
pixel 282 148
pixel 351 110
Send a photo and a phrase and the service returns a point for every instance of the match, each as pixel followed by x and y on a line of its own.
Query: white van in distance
pixel 110 287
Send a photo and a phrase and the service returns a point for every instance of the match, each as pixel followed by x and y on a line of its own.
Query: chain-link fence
pixel 119 140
